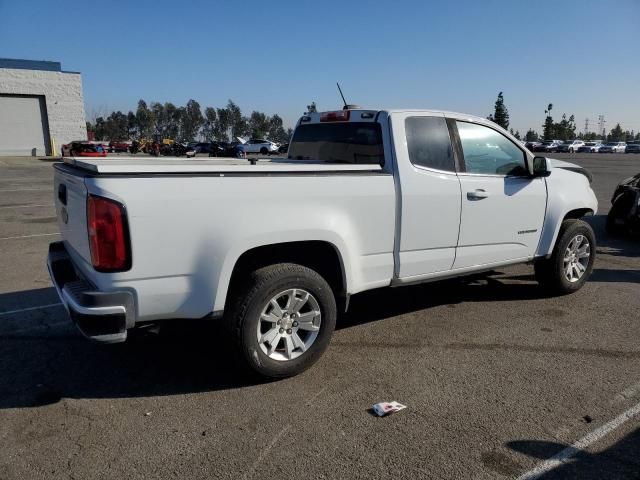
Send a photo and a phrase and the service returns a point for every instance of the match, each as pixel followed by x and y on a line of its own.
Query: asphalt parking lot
pixel 496 377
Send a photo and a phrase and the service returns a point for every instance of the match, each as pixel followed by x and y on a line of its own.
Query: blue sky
pixel 582 56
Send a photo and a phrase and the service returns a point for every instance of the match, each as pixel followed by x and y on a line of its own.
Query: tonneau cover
pixel 132 165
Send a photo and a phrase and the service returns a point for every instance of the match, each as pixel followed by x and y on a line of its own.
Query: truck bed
pixel 131 165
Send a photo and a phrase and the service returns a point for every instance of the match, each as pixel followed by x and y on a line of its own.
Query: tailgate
pixel 70 199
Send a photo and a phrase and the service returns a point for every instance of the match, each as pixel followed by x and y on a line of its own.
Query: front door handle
pixel 477 194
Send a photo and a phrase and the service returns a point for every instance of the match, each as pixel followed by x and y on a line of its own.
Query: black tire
pixel 243 319
pixel 550 273
pixel 264 151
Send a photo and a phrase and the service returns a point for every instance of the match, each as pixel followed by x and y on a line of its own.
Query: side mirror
pixel 540 168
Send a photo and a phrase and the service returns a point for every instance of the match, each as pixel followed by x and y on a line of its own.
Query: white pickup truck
pixel 275 248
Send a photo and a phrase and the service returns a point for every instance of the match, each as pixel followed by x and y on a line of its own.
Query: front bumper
pixel 100 316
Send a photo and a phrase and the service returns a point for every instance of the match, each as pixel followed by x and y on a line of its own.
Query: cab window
pixel 429 144
pixel 488 152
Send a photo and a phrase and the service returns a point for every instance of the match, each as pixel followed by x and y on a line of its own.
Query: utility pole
pixel 586 126
pixel 601 124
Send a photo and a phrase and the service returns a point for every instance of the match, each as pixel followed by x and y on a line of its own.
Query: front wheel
pixel 571 262
pixel 282 320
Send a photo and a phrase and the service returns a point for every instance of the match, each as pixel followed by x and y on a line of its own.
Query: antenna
pixel 343 100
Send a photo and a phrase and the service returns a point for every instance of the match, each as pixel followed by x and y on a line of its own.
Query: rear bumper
pixel 100 316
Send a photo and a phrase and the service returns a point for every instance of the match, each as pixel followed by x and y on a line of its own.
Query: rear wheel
pixel 264 151
pixel 283 319
pixel 572 259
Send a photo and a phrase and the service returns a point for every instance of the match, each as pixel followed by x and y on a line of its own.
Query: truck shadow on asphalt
pixel 52 361
pixel 619 461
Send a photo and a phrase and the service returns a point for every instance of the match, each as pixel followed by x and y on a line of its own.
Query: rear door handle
pixel 477 194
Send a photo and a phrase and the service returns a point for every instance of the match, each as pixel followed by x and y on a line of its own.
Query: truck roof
pixel 371 115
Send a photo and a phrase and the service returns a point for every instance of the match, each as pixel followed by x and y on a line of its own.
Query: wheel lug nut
pixel 281 330
pixel 295 324
pixel 278 322
pixel 289 331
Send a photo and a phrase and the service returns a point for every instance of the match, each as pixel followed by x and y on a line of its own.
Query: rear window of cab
pixel 340 142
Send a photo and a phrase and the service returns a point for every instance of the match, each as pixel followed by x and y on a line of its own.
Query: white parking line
pixel 30 236
pixel 39 327
pixel 48 189
pixel 565 455
pixel 41 307
pixel 28 206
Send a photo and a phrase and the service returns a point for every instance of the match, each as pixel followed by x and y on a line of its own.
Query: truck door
pixel 429 195
pixel 503 208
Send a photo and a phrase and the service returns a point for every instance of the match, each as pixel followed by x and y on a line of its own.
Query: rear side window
pixel 488 152
pixel 348 142
pixel 428 143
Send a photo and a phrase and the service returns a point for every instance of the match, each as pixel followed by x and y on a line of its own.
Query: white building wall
pixel 63 98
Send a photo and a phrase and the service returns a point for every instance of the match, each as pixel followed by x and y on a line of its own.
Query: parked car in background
pixel 532 145
pixel 571 146
pixel 83 149
pixel 590 147
pixel 258 145
pixel 624 214
pixel 632 148
pixel 233 150
pixel 549 146
pixel 284 148
pixel 175 149
pixel 217 149
pixel 118 147
pixel 613 147
pixel 204 148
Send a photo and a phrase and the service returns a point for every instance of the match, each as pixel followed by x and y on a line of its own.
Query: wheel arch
pixel 320 255
pixel 547 241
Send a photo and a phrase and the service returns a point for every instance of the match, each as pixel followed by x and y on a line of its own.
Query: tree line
pixel 565 129
pixel 188 123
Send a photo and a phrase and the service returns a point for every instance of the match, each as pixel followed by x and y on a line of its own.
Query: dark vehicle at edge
pixel 624 214
pixel 632 148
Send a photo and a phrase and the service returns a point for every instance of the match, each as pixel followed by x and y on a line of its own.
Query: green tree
pixel 259 124
pixel 238 124
pixel 132 126
pixel 191 121
pixel 312 108
pixel 223 125
pixel 616 134
pixel 277 133
pixel 531 136
pixel 210 121
pixel 547 127
pixel 115 127
pixel 501 113
pixel 629 136
pixel 145 120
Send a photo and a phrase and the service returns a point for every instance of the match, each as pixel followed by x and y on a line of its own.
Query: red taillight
pixel 337 116
pixel 108 238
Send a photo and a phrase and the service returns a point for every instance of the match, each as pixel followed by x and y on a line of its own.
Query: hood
pixel 572 167
pixel 241 140
pixel 561 163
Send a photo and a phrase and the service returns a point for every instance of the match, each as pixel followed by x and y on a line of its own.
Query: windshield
pixel 353 142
